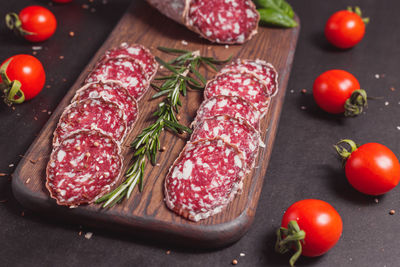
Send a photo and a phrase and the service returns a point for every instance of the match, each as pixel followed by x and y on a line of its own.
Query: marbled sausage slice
pixel 83 168
pixel 234 131
pixel 204 179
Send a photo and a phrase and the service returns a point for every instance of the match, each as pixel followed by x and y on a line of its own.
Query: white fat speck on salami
pixel 92 114
pixel 234 131
pixel 83 168
pixel 242 84
pixel 112 91
pixel 233 106
pixel 205 178
pixel 260 68
pixel 125 70
pixel 137 52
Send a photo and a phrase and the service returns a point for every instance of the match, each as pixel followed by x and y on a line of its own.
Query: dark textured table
pixel 303 163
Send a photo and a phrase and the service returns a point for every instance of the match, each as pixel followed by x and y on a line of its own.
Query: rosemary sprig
pixel 184 74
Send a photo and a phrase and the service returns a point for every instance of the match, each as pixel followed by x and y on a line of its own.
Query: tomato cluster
pixel 311 226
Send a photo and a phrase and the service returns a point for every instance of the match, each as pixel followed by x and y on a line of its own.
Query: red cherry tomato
pixel 62 1
pixel 372 168
pixel 345 29
pixel 34 23
pixel 28 71
pixel 332 88
pixel 321 223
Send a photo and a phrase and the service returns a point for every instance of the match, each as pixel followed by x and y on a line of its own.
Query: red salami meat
pixel 204 179
pixel 114 92
pixel 83 168
pixel 125 70
pixel 138 52
pixel 221 21
pixel 242 84
pixel 233 106
pixel 260 68
pixel 92 114
pixel 233 131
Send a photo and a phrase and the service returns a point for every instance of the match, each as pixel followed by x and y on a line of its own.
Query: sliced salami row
pixel 225 141
pixel 221 21
pixel 86 159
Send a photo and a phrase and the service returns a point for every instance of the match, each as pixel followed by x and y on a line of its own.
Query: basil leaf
pixel 269 16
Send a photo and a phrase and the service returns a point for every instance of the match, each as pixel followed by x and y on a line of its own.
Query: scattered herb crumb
pixel 88 235
pixel 392 212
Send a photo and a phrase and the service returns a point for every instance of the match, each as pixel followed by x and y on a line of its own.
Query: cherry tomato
pixel 321 223
pixel 345 29
pixel 372 168
pixel 332 88
pixel 62 1
pixel 34 23
pixel 28 71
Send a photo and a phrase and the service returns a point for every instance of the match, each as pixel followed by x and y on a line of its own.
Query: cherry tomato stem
pixel 290 237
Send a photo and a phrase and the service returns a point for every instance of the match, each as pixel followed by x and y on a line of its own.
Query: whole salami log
pixel 83 168
pixel 221 21
pixel 204 179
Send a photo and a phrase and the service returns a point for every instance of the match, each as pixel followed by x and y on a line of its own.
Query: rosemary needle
pixel 184 73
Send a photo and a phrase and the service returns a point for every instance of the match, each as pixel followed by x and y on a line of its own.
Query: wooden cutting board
pixel 145 213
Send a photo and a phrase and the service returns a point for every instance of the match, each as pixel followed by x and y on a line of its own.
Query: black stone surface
pixel 303 163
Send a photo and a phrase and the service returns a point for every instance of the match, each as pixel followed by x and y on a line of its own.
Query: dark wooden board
pixel 145 213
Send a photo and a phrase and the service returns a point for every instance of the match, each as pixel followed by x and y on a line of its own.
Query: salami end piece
pixel 260 68
pixel 83 168
pixel 241 84
pixel 138 52
pixel 125 70
pixel 91 114
pixel 204 179
pixel 234 131
pixel 223 21
pixel 233 106
pixel 111 91
pixel 220 21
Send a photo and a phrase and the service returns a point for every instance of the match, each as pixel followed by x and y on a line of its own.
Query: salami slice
pixel 92 114
pixel 83 168
pixel 242 84
pixel 125 70
pixel 260 68
pixel 233 131
pixel 233 106
pixel 221 21
pixel 138 52
pixel 114 92
pixel 204 179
